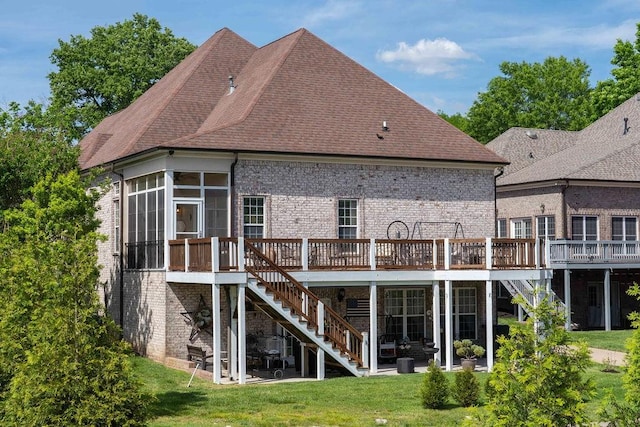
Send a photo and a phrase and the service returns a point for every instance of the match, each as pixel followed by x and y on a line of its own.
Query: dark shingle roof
pixel 296 95
pixel 603 151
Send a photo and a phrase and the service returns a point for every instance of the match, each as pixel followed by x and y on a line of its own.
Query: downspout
pixel 563 209
pixel 232 183
pixel 120 248
pixel 495 202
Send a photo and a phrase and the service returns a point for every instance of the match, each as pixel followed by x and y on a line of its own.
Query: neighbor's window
pixel 584 227
pixel 502 228
pixel 546 227
pixel 624 228
pixel 253 208
pixel 521 228
pixel 347 219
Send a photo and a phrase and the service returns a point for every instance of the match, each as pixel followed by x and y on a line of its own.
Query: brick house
pixel 580 191
pixel 256 190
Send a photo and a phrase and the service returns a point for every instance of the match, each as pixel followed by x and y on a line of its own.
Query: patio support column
pixel 489 323
pixel 320 364
pixel 304 361
pixel 448 324
pixel 216 332
pixel 242 333
pixel 232 341
pixel 373 328
pixel 520 313
pixel 567 299
pixel 607 299
pixel 435 310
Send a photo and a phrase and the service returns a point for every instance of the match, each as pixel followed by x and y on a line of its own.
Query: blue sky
pixel 441 53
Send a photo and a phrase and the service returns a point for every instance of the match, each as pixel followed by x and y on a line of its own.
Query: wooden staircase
pixel 303 314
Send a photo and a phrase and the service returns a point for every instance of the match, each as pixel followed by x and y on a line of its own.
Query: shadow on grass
pixel 174 402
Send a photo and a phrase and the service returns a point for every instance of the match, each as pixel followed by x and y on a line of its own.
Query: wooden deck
pixel 228 254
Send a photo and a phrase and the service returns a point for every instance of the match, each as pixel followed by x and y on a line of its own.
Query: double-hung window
pixel 546 227
pixel 501 228
pixel 584 228
pixel 253 208
pixel 521 228
pixel 347 219
pixel 624 228
pixel 465 313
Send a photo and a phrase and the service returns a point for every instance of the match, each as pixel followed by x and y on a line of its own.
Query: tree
pixel 106 72
pixel 457 119
pixel 434 389
pixel 625 83
pixel 31 145
pixel 61 362
pixel 627 413
pixel 537 378
pixel 554 94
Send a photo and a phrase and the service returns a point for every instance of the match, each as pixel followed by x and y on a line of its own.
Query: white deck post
pixel 567 298
pixel 242 332
pixel 365 349
pixel 233 335
pixel 320 364
pixel 216 325
pixel 373 328
pixel 304 363
pixel 607 299
pixel 489 254
pixel 448 323
pixel 304 253
pixel 447 254
pixel 435 310
pixel 186 255
pixel 489 323
pixel 372 254
pixel 215 254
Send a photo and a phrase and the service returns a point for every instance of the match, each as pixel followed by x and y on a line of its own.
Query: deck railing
pixel 359 254
pixel 594 251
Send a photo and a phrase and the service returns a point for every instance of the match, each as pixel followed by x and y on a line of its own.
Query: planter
pixel 468 364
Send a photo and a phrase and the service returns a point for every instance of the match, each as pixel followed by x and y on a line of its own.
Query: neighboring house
pixel 263 175
pixel 581 192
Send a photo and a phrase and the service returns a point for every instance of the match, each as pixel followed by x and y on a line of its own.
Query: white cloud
pixel 429 57
pixel 332 10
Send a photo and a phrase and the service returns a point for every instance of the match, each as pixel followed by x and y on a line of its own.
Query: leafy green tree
pixel 61 361
pixel 627 413
pixel 537 379
pixel 31 145
pixel 554 94
pixel 610 93
pixel 106 72
pixel 457 119
pixel 434 389
pixel 466 388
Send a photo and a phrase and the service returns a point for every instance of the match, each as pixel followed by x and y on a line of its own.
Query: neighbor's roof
pixel 296 95
pixel 603 151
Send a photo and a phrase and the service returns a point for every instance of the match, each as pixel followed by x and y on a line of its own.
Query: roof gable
pixel 295 95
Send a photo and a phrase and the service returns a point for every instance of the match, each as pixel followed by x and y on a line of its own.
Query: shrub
pixel 435 388
pixel 466 388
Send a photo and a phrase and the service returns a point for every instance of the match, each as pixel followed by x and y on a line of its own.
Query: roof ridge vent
pixel 231 85
pixel 531 134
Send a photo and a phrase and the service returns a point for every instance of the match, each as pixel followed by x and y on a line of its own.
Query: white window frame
pixel 407 310
pixel 519 228
pixel 583 234
pixel 543 222
pixel 501 228
pixel 210 211
pixel 624 235
pixel 252 219
pixel 345 222
pixel 457 313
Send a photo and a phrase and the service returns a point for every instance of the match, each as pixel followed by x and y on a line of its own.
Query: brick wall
pixel 302 198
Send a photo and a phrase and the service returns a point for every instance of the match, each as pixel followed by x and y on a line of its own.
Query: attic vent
pixel 626 126
pixel 231 86
pixel 531 134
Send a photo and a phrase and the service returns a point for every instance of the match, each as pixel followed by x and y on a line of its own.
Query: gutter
pixel 495 201
pixel 232 184
pixel 120 249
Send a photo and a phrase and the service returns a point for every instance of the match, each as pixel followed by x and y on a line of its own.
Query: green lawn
pixel 608 340
pixel 345 401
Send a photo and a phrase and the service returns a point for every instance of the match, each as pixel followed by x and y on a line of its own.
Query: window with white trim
pixel 502 228
pixel 347 219
pixel 521 228
pixel 405 311
pixel 624 228
pixel 253 217
pixel 145 222
pixel 546 227
pixel 584 227
pixel 116 217
pixel 465 316
pixel 211 187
